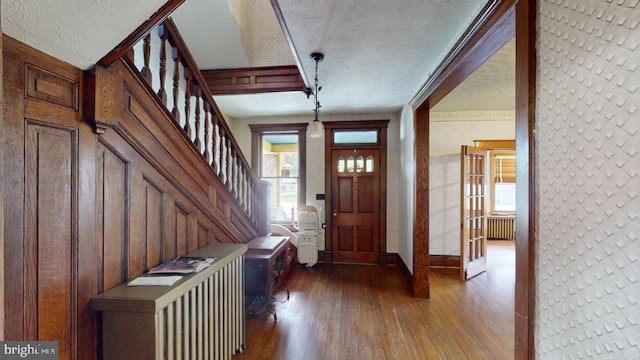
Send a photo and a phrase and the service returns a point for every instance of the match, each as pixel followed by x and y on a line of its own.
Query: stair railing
pixel 166 64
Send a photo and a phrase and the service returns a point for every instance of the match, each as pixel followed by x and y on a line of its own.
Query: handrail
pixel 155 19
pixel 200 118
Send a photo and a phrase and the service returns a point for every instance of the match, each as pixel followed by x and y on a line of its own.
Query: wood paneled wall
pixel 1 202
pixel 85 212
pixel 44 241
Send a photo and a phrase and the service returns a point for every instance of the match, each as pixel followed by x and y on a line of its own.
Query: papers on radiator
pixel 154 280
pixel 183 265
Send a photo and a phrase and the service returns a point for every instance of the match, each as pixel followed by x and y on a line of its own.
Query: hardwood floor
pixel 367 312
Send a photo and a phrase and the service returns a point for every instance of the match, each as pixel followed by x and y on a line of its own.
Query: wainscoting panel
pixel 86 211
pixel 50 232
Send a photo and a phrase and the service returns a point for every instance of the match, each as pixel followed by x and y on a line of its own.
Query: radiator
pixel 501 228
pixel 201 317
pixel 206 322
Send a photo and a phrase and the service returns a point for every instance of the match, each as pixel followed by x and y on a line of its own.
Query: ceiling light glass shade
pixel 316 130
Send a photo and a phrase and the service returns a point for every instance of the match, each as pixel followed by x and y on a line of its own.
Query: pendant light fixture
pixel 316 129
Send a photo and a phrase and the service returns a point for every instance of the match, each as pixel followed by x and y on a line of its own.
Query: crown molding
pixel 502 115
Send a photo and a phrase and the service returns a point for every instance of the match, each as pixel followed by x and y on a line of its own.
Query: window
pixel 503 179
pixel 277 157
pixel 280 167
pixel 358 166
pixel 355 137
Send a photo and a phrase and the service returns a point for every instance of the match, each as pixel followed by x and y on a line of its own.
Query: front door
pixel 355 202
pixel 473 214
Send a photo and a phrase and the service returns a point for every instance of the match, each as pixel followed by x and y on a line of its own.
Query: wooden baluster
pixel 146 52
pixel 207 123
pixel 222 150
pixel 187 102
pixel 214 143
pixel 197 141
pixel 131 55
pixel 252 202
pixel 253 192
pixel 247 199
pixel 175 55
pixel 250 199
pixel 245 191
pixel 240 185
pixel 229 162
pixel 162 94
pixel 240 188
pixel 236 178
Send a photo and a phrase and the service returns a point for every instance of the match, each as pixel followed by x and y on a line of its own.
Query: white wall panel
pixel 588 176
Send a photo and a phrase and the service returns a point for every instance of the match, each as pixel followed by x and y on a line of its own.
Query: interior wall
pixel 102 208
pixel 588 161
pixel 406 196
pixel 450 130
pixel 315 161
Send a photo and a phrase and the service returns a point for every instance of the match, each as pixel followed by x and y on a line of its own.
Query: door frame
pixel 332 126
pixel 500 20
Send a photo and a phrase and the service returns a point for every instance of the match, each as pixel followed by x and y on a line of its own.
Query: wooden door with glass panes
pixel 473 212
pixel 355 199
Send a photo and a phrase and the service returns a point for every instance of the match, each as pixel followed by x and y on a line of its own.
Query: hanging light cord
pixel 316 111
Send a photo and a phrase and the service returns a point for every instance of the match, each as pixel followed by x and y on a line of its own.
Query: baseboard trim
pixel 388 259
pixel 406 275
pixel 324 256
pixel 444 261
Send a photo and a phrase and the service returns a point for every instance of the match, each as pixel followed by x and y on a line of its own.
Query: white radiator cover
pixel 202 316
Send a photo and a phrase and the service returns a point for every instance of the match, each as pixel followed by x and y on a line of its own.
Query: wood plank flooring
pixel 367 312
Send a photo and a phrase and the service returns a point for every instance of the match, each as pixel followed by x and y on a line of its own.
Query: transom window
pixel 355 137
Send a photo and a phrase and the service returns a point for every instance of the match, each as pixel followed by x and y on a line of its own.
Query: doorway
pixel 507 18
pixel 355 176
pixel 355 205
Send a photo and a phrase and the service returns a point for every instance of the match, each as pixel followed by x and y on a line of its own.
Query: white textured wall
pixel 447 133
pixel 315 160
pixel 588 178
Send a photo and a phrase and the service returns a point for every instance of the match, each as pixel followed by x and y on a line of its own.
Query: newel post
pixel 264 207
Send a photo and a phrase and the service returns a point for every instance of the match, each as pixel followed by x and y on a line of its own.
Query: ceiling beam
pixel 255 80
pixel 287 36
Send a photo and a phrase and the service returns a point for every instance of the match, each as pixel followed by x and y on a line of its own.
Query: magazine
pixel 154 280
pixel 182 265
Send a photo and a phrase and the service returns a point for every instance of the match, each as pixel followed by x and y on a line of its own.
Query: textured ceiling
pixel 491 87
pixel 79 32
pixel 378 52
